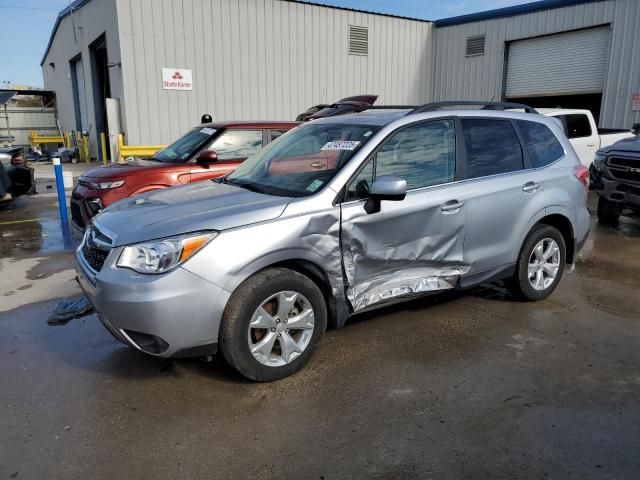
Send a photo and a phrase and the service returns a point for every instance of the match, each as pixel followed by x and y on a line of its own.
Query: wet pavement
pixel 459 385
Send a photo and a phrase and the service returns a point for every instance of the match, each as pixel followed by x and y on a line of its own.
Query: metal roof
pixel 5 97
pixel 63 13
pixel 510 11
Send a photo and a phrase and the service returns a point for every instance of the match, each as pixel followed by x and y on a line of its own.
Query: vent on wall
pixel 475 45
pixel 358 40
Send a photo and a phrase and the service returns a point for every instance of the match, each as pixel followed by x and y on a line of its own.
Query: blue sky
pixel 25 26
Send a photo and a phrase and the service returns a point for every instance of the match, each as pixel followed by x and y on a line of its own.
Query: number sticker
pixel 341 145
pixel 208 131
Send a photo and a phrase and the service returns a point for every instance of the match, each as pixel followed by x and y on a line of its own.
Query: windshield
pixel 302 161
pixel 186 146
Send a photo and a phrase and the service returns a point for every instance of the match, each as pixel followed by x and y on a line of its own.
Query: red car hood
pixel 132 167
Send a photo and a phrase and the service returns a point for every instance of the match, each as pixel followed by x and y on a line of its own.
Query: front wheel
pixel 273 324
pixel 540 264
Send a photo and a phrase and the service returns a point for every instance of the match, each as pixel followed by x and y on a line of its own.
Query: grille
pixel 76 215
pixel 626 175
pixel 95 247
pixel 624 162
pixel 358 40
pixel 94 256
pixel 475 45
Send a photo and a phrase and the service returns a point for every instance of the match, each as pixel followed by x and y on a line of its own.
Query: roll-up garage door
pixel 81 100
pixel 571 63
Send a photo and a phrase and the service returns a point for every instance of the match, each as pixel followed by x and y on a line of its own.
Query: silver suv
pixel 338 216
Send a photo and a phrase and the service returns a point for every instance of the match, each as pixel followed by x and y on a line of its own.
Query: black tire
pixel 608 212
pixel 519 284
pixel 233 339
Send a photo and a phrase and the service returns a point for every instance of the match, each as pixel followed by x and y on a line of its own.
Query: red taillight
pixel 582 173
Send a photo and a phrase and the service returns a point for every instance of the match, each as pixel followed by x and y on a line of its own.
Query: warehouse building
pixel 166 63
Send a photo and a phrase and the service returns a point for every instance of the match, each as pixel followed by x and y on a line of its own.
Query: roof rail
pixel 430 107
pixel 392 107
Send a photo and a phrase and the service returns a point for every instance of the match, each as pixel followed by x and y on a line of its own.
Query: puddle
pixel 30 225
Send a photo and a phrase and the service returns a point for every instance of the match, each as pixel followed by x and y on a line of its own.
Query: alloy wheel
pixel 544 263
pixel 281 328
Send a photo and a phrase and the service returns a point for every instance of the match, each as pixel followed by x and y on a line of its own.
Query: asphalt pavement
pixel 459 385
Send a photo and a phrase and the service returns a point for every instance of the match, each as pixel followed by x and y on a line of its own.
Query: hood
pixel 133 166
pixel 197 206
pixel 629 145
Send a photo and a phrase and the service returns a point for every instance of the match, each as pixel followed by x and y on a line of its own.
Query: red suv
pixel 207 151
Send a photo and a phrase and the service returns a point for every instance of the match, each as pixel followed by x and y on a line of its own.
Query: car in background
pixel 582 131
pixel 339 216
pixel 17 178
pixel 204 152
pixel 355 104
pixel 615 176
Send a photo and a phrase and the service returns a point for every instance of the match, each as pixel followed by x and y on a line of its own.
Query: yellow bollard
pixel 87 157
pixel 103 144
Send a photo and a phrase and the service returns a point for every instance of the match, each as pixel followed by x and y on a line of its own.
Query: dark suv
pixel 615 173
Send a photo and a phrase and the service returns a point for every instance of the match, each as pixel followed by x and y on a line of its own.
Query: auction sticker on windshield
pixel 208 131
pixel 313 186
pixel 341 145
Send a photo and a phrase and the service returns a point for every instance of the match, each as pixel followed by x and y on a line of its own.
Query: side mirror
pixel 206 157
pixel 385 188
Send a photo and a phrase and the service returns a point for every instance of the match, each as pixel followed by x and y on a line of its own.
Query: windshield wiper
pixel 252 187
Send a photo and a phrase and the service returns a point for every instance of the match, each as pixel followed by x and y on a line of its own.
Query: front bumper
pixel 171 315
pixel 622 193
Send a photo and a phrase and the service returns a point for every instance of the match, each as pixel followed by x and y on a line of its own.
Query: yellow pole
pixel 86 149
pixel 103 143
pixel 120 145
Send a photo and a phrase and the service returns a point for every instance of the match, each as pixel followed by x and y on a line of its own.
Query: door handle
pixel 530 187
pixel 452 206
pixel 591 144
pixel 317 165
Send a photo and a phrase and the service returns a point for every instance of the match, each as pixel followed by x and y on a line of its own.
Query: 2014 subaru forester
pixel 335 217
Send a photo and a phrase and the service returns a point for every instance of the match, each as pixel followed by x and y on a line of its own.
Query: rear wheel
pixel 608 212
pixel 540 264
pixel 273 324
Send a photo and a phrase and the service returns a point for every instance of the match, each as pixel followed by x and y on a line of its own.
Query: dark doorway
pixel 591 101
pixel 101 88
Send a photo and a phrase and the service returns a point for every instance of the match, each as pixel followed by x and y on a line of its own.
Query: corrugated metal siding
pixel 260 59
pixel 91 20
pixel 561 64
pixel 24 119
pixel 481 77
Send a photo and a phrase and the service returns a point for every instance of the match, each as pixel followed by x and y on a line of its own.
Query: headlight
pixel 160 256
pixel 106 185
pixel 598 161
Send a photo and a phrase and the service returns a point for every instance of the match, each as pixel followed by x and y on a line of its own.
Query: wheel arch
pixel 337 309
pixel 563 225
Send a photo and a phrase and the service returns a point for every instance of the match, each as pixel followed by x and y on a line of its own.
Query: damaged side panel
pixel 409 247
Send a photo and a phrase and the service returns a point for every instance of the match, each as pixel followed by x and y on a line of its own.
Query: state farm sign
pixel 176 79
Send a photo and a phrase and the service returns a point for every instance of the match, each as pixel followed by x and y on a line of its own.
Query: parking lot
pixel 459 385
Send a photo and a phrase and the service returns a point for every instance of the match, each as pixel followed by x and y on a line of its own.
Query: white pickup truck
pixel 583 133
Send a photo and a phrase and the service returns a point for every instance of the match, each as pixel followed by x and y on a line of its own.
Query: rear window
pixel 541 144
pixel 576 125
pixel 492 147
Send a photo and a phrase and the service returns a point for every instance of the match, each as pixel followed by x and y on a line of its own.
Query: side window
pixel 275 134
pixel 423 154
pixel 541 144
pixel 492 147
pixel 359 186
pixel 234 144
pixel 577 125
